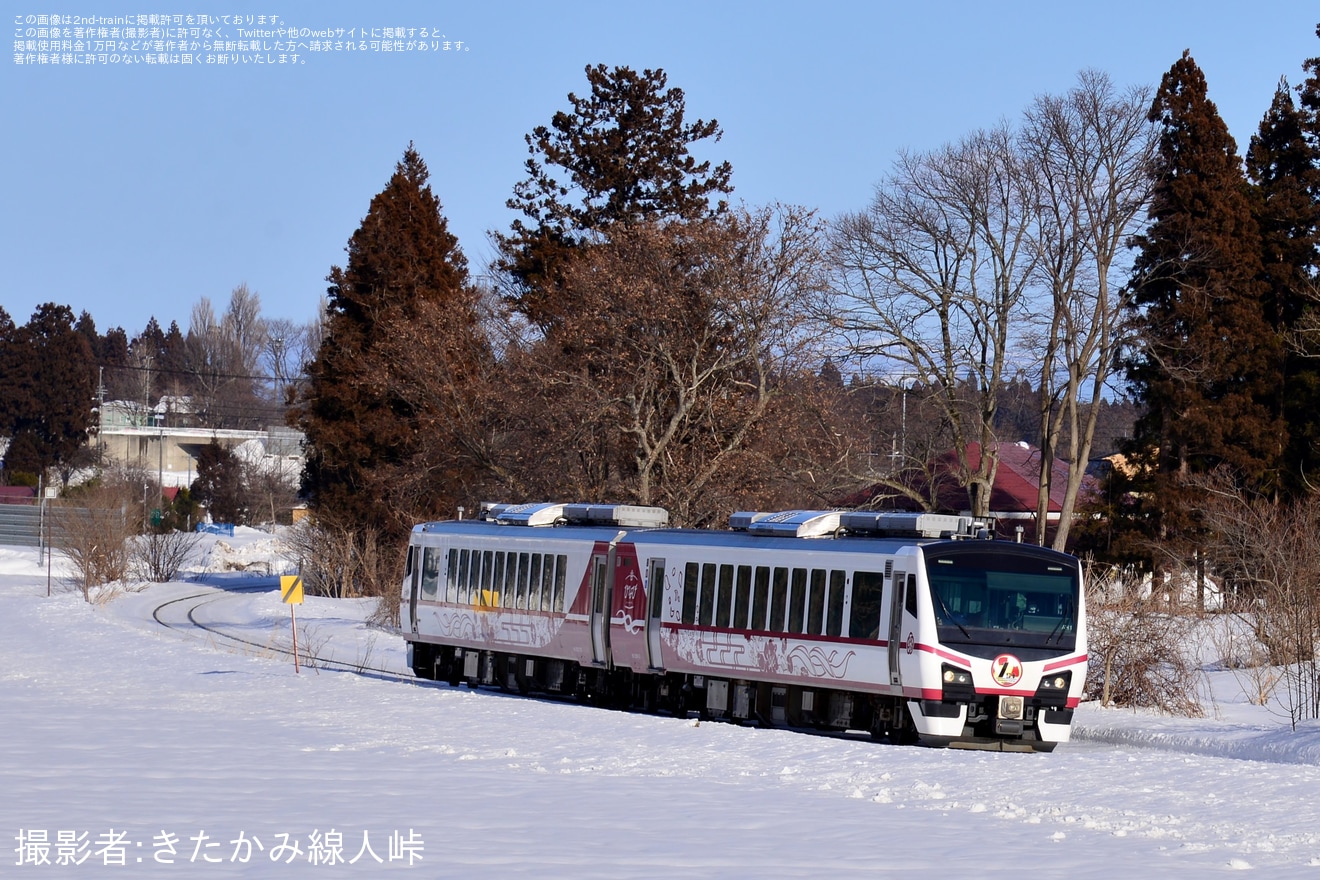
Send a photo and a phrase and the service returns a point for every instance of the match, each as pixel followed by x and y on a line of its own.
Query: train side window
pixel 494 594
pixel 474 582
pixel 778 599
pixel 534 582
pixel 459 582
pixel 690 583
pixel 834 616
pixel 724 602
pixel 548 583
pixel 508 596
pixel 816 603
pixel 656 587
pixel 474 579
pixel 561 563
pixel 413 576
pixel 761 597
pixel 706 604
pixel 451 572
pixel 743 596
pixel 867 601
pixel 911 598
pixel 523 591
pixel 431 572
pixel 487 569
pixel 523 565
pixel 797 603
pixel 503 592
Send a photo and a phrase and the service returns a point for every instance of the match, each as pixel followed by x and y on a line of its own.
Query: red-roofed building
pixel 17 494
pixel 1012 497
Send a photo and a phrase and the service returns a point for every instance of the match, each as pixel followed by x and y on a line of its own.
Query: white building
pixel 131 437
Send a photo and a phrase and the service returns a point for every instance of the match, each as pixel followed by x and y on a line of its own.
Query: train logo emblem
pixel 1007 670
pixel 911 643
pixel 630 585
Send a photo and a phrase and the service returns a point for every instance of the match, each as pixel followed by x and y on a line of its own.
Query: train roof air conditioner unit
pixel 787 523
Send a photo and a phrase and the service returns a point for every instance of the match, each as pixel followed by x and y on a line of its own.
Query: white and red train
pixel 914 627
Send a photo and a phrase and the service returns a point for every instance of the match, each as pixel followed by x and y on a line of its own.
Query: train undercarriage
pixel 884 717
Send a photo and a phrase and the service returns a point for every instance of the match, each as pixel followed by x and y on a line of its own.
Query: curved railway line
pixel 193 627
pixel 307 656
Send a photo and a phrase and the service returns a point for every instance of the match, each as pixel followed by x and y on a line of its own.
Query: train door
pixel 600 609
pixel 415 578
pixel 655 603
pixel 896 602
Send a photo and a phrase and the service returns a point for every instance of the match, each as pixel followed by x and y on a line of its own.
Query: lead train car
pixel 905 625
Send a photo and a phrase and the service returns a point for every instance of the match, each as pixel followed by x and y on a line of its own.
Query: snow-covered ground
pixel 125 743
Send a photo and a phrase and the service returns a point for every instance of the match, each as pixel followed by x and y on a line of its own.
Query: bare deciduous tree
pixel 159 555
pixel 933 283
pixel 284 353
pixel 1092 150
pixel 223 356
pixel 1138 650
pixel 93 527
pixel 1269 557
pixel 345 562
pixel 682 335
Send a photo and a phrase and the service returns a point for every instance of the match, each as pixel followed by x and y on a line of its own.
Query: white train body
pixel 879 622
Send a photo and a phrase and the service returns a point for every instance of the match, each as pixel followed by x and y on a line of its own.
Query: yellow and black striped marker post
pixel 291 589
pixel 291 593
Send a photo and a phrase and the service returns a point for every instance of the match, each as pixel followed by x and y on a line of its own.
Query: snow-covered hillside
pixel 125 740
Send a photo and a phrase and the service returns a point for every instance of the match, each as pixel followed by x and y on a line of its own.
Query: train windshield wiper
pixel 949 614
pixel 1059 627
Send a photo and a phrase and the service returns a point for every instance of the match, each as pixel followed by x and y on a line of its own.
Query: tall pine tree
pixel 48 376
pixel 1207 365
pixel 1310 94
pixel 362 431
pixel 1284 167
pixel 622 156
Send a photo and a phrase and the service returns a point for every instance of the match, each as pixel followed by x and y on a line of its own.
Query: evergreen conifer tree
pixel 362 431
pixel 219 484
pixel 621 156
pixel 1284 166
pixel 47 373
pixel 1208 362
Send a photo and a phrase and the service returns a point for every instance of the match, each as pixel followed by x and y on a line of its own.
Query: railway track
pixel 187 607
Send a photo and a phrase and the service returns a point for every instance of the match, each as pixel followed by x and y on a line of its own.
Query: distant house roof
pixel 1012 496
pixel 1017 480
pixel 16 494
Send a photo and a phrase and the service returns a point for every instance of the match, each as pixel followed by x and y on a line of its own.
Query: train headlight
pixel 957 676
pixel 957 684
pixel 1056 683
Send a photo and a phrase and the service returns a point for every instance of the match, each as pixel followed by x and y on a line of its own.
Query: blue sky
pixel 133 191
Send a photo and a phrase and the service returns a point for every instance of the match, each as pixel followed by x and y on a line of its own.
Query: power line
pixel 183 371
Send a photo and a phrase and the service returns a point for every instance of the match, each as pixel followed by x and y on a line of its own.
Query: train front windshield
pixel 1003 594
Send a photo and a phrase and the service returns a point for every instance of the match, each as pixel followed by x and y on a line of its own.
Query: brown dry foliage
pixel 1268 556
pixel 1138 651
pixel 345 562
pixel 94 528
pixel 659 386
